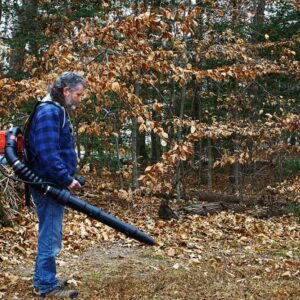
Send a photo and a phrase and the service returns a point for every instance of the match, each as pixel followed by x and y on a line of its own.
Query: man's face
pixel 73 97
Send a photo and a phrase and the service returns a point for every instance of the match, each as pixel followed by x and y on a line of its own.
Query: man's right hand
pixel 74 184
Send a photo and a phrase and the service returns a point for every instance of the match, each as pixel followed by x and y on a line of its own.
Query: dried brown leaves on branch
pixel 163 52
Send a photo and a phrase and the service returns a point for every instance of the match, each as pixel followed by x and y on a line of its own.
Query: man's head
pixel 67 89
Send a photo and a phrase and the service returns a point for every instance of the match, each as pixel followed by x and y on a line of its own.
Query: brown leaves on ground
pixel 225 256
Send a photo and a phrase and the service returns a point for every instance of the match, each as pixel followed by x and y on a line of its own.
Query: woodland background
pixel 188 102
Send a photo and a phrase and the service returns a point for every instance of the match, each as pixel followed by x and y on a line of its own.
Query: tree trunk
pixel 141 148
pixel 199 105
pixel 197 111
pixel 259 18
pixel 179 139
pixel 118 153
pixel 134 141
pixel 210 164
pixel 280 168
pixel 24 31
pixel 155 142
pixel 260 12
pixel 254 182
pixel 134 153
pixel 237 173
pixel 237 168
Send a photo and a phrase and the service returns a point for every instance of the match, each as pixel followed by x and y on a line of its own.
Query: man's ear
pixel 66 91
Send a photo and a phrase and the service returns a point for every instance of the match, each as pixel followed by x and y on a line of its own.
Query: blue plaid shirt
pixel 51 147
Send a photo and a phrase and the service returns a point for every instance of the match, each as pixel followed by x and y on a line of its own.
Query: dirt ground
pixel 228 255
pixel 113 271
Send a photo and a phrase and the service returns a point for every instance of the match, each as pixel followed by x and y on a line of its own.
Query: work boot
pixel 61 282
pixel 60 292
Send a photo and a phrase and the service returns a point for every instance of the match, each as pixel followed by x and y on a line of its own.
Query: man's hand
pixel 74 184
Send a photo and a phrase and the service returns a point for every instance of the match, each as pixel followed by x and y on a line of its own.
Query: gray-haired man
pixel 51 156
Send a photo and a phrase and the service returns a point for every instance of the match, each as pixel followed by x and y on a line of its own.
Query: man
pixel 51 155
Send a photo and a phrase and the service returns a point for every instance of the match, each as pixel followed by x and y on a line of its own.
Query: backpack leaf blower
pixel 11 149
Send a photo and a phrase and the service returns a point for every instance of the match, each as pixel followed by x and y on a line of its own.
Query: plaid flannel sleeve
pixel 47 133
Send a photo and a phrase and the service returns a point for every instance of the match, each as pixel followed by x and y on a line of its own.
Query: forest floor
pixel 226 255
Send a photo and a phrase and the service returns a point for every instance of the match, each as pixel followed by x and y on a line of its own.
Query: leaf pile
pixel 191 238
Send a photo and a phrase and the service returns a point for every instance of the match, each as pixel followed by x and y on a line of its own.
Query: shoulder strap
pixel 26 137
pixel 29 120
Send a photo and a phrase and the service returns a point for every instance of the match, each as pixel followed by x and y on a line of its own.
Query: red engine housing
pixel 20 144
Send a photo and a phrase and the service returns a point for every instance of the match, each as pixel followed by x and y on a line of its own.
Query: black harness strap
pixel 26 146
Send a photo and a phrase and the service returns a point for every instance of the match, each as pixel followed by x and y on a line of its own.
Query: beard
pixel 69 102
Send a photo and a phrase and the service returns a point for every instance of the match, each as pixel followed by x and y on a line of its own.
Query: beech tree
pixel 176 88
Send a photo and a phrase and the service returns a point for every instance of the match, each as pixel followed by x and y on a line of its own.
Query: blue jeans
pixel 50 214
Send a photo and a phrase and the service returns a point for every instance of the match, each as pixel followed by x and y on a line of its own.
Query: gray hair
pixel 66 79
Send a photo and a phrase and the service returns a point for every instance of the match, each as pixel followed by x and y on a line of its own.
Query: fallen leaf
pixel 286 274
pixel 171 252
pixel 73 281
pixel 176 266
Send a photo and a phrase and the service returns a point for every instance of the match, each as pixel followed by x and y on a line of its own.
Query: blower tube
pixel 64 196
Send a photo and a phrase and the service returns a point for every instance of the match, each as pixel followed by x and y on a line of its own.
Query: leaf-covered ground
pixel 222 256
